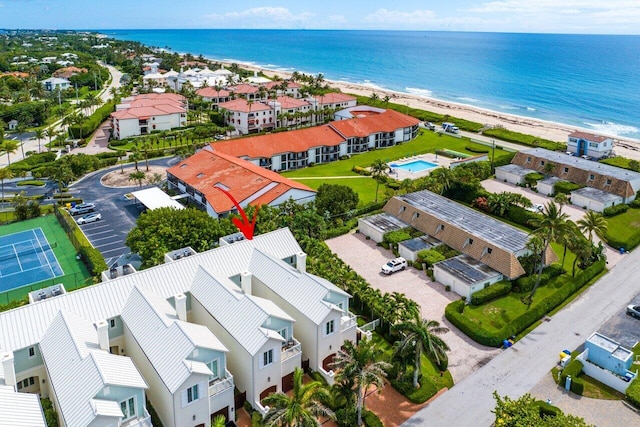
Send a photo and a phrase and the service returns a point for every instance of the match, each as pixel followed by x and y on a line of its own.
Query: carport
pixel 154 198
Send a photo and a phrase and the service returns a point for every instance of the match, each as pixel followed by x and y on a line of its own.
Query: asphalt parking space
pixel 103 236
pixel 623 328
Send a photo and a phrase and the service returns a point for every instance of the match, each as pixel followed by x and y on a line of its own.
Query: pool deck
pixel 401 174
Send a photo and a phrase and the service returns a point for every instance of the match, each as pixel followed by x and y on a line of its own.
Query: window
pixel 592 177
pixel 489 250
pixel 528 159
pixel 329 327
pixel 267 358
pixel 31 381
pixel 25 382
pixel 415 215
pixel 284 334
pixel 608 182
pixel 566 170
pixel 469 241
pixel 541 162
pixel 440 228
pixel 213 367
pixel 112 323
pixel 192 393
pixel 32 352
pixel 128 408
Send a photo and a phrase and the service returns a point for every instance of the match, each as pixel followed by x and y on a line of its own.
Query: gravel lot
pixel 366 259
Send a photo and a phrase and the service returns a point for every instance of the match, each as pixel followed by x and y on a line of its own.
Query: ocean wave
pixel 614 129
pixel 467 99
pixel 531 109
pixel 508 107
pixel 418 91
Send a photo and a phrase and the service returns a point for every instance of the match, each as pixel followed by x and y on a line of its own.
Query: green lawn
pixel 365 186
pixel 75 273
pixel 624 229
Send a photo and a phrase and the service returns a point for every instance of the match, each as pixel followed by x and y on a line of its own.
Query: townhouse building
pixel 143 114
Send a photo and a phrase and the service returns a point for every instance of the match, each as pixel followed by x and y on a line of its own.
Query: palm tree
pixel 420 336
pixel 5 173
pixel 10 147
pixel 378 170
pixel 363 365
pixel 137 176
pixel 50 133
pixel 302 408
pixel 21 129
pixel 593 223
pixel 549 227
pixel 39 133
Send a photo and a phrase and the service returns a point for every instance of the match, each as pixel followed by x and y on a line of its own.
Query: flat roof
pixel 420 243
pixel 478 224
pixel 610 345
pixel 587 165
pixel 154 198
pixel 595 194
pixel 516 169
pixel 467 269
pixel 551 180
pixel 385 222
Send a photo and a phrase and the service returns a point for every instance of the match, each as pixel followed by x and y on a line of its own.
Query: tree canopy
pixel 162 230
pixel 335 199
pixel 526 411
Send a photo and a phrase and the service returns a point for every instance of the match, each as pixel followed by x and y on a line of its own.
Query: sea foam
pixel 420 92
pixel 616 129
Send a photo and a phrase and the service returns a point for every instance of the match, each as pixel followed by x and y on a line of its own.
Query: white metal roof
pixel 78 369
pixel 154 198
pixel 287 282
pixel 24 326
pixel 241 315
pixel 154 324
pixel 20 409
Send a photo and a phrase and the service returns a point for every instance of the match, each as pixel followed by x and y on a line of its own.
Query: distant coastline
pixel 515 119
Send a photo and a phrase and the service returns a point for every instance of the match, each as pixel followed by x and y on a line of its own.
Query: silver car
pixel 89 218
pixel 634 310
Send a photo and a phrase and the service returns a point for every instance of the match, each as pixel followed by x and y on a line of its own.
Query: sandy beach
pixel 625 147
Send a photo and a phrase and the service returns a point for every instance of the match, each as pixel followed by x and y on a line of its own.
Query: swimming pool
pixel 414 166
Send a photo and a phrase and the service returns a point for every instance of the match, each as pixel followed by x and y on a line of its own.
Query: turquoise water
pixel 588 81
pixel 415 166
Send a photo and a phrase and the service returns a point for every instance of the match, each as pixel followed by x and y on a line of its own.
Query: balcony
pixel 347 321
pixel 291 349
pixel 144 421
pixel 221 385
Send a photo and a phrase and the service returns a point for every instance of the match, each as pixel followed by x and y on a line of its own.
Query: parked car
pixel 538 208
pixel 429 126
pixel 82 208
pixel 634 310
pixel 92 217
pixel 394 265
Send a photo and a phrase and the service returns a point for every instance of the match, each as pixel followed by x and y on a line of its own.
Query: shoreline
pixel 555 131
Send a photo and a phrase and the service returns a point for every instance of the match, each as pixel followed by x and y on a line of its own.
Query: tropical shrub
pixel 477 148
pixel 521 138
pixel 532 178
pixel 430 256
pixel 492 292
pixel 615 210
pixel 526 283
pixel 633 393
pixel 397 236
pixel 565 187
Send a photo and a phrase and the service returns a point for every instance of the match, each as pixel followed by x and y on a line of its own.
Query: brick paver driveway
pixel 366 259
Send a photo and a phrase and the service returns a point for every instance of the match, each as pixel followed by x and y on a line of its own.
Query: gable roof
pixel 243 106
pixel 334 98
pixel 267 146
pixel 290 84
pixel 223 299
pixel 72 357
pixel 153 323
pixel 286 282
pixel 289 102
pixel 247 182
pixel 150 105
pixel 243 88
pixel 20 409
pixel 589 136
pixel 387 121
pixel 211 92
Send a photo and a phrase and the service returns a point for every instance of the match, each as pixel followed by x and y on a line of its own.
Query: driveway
pixel 575 213
pixel 366 259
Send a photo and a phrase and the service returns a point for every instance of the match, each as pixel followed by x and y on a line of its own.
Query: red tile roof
pixel 152 104
pixel 589 136
pixel 243 106
pixel 266 146
pixel 211 92
pixel 17 74
pixel 208 168
pixel 289 102
pixel 68 72
pixel 388 121
pixel 243 88
pixel 334 98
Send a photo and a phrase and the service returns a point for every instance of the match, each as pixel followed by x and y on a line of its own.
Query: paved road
pixel 517 370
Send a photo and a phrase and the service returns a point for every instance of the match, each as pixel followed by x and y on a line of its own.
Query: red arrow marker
pixel 245 226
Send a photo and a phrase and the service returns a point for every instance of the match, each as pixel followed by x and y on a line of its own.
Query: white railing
pixel 221 384
pixel 347 321
pixel 262 409
pixel 144 421
pixel 289 351
pixel 327 375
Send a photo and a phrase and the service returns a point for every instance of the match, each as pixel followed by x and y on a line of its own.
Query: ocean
pixel 587 81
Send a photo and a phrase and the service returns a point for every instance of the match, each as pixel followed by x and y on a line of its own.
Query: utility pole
pixel 95 83
pixel 493 155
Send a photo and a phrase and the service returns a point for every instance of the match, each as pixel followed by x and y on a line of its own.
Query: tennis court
pixel 26 257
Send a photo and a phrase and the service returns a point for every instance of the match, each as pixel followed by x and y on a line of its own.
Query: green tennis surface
pixel 75 275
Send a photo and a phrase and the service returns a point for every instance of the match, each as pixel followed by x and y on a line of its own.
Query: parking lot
pixel 367 259
pixel 623 328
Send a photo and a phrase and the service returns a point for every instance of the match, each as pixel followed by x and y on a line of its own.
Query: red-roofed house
pixel 332 100
pixel 248 116
pixel 142 114
pixel 210 94
pixel 247 91
pixel 322 144
pixel 249 184
pixel 589 144
pixel 293 88
pixel 291 111
pixel 67 72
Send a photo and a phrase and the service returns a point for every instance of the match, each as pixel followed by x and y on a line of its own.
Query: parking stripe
pixel 113 250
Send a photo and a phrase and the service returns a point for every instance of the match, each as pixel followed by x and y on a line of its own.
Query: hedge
pixel 615 210
pixel 477 148
pixel 504 159
pixel 533 178
pixel 93 122
pixel 431 256
pixel 36 182
pixel 454 312
pixel 397 236
pixel 524 139
pixel 565 187
pixel 633 393
pixel 370 419
pixel 492 292
pixel 35 160
pixel 573 368
pixel 521 216
pixel 546 409
pixel 526 283
pixel 635 204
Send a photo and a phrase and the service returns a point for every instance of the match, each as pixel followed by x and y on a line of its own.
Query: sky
pixel 529 16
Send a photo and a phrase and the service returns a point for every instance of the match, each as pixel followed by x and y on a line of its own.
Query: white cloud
pixel 393 17
pixel 546 6
pixel 260 15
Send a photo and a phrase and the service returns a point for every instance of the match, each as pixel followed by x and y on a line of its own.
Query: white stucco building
pixel 143 114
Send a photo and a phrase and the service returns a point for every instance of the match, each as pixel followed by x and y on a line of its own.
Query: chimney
pixel 9 370
pixel 245 282
pixel 301 262
pixel 103 334
pixel 181 306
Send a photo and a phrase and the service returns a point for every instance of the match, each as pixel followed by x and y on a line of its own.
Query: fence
pixel 70 281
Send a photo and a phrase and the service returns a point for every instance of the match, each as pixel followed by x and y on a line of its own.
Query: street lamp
pixel 493 154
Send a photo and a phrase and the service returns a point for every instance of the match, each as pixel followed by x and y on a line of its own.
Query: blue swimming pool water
pixel 415 166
